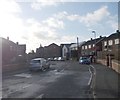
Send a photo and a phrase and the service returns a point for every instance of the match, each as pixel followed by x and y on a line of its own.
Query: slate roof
pixel 113 36
pixel 97 40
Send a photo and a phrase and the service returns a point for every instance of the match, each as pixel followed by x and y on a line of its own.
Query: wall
pixel 115 64
pixel 13 67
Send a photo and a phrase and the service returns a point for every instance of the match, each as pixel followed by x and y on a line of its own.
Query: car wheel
pixel 43 69
pixel 30 70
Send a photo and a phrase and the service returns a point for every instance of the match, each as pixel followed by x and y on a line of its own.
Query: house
pixel 65 51
pixel 92 47
pixel 75 50
pixel 12 52
pixel 111 46
pixel 50 51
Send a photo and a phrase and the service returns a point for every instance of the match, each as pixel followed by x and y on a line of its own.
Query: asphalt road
pixel 62 80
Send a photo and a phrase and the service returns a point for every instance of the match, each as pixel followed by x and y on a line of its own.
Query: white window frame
pixel 83 47
pixel 86 47
pixel 89 46
pixel 116 41
pixel 105 43
pixel 110 42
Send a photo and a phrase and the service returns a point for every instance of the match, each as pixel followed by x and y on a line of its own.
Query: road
pixel 62 80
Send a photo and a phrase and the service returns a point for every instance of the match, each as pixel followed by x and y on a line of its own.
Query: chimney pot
pixel 17 43
pixel 7 38
pixel 100 36
pixel 117 31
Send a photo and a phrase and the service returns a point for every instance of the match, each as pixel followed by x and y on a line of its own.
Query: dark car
pixel 84 60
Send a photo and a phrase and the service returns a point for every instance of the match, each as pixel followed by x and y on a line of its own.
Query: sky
pixel 35 22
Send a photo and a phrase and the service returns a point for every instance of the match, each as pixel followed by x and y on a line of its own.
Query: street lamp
pixel 95 42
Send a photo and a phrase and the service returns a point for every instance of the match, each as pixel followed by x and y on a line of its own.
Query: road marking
pixel 90 77
pixel 93 80
pixel 24 75
pixel 40 96
pixel 21 88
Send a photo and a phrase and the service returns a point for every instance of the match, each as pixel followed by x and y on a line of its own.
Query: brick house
pixel 111 46
pixel 12 52
pixel 90 47
pixel 50 51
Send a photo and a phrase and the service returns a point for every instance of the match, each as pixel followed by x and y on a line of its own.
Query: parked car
pixel 56 58
pixel 39 64
pixel 60 59
pixel 84 60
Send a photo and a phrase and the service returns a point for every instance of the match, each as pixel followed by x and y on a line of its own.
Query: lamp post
pixel 95 43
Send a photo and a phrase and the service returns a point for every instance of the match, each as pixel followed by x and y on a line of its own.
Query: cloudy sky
pixel 35 22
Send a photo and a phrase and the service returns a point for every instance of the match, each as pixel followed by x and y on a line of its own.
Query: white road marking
pixel 90 77
pixel 93 79
pixel 21 88
pixel 40 96
pixel 24 75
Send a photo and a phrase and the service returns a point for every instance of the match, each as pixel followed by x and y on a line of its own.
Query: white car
pixel 39 64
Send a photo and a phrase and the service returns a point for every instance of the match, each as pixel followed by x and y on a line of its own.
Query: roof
pixel 93 41
pixel 52 44
pixel 113 36
pixel 67 45
pixel 75 44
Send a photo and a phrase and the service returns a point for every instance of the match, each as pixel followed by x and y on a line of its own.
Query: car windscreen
pixel 83 58
pixel 35 61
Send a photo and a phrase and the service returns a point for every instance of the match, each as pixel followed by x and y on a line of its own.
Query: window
pixel 110 42
pixel 89 46
pixel 11 48
pixel 105 43
pixel 86 47
pixel 83 47
pixel 116 41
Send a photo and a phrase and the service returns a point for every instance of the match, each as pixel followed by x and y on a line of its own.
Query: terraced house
pixel 111 46
pixel 110 54
pixel 92 47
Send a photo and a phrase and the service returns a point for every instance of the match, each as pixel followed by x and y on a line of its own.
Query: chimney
pixel 17 43
pixel 117 31
pixel 7 38
pixel 100 36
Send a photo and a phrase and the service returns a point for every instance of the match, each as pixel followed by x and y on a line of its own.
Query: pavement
pixel 106 82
